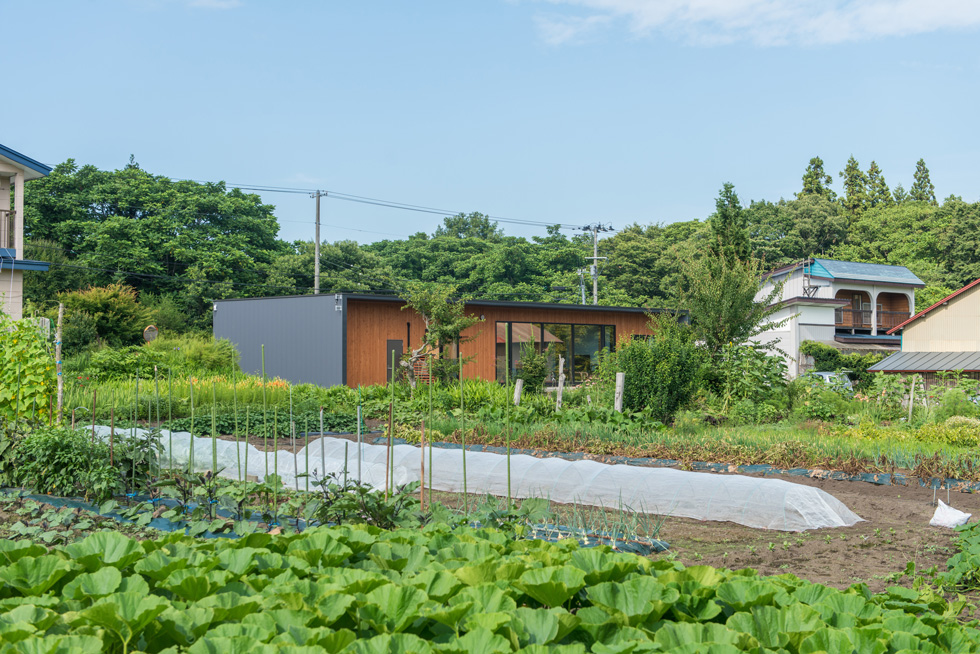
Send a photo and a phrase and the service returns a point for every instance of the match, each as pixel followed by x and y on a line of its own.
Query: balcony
pixel 8 239
pixel 861 319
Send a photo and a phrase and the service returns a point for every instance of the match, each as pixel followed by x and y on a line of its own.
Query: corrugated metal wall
pixel 303 336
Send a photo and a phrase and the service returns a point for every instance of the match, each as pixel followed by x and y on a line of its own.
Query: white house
pixel 844 304
pixel 15 170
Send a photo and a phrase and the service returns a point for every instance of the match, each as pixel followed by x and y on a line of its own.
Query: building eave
pixel 23 160
pixel 937 304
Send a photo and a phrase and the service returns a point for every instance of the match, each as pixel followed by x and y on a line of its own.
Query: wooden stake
pixel 95 393
pixel 561 381
pixel 620 386
pixel 911 398
pixel 112 430
pixel 518 387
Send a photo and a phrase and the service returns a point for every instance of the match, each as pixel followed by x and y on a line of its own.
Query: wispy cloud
pixel 766 22
pixel 215 4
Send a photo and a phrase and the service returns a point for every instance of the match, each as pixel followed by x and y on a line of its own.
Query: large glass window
pixel 578 345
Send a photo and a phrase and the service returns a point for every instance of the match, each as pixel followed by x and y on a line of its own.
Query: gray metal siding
pixel 303 336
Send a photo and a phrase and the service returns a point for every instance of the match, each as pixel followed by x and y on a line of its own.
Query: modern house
pixel 15 170
pixel 944 337
pixel 854 307
pixel 348 338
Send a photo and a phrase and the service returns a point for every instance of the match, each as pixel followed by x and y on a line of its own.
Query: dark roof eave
pixel 24 160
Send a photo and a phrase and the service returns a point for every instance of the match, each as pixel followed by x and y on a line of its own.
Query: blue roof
pixel 24 160
pixel 865 272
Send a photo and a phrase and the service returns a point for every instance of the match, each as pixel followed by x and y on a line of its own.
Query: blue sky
pixel 569 111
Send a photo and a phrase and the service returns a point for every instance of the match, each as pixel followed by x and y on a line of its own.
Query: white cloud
pixel 558 30
pixel 767 22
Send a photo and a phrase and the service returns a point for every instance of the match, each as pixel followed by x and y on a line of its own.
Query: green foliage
pixel 361 590
pixel 855 198
pixel 60 461
pixel 729 235
pixel 955 402
pixel 661 371
pixel 445 318
pixel 830 359
pixel 720 296
pixel 119 318
pixel 879 195
pixel 922 189
pixel 928 296
pixel 816 181
pixel 749 375
pixel 534 366
pixel 27 371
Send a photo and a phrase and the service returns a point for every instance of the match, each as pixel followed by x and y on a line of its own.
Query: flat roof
pixel 477 303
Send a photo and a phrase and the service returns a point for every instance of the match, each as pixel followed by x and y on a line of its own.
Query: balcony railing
pixel 7 228
pixel 853 318
pixel 861 319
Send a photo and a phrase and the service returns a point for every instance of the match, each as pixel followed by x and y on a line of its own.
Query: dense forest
pixel 180 244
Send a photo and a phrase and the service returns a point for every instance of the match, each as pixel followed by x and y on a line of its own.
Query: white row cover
pixel 752 501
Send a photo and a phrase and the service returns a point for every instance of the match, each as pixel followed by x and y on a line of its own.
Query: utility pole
pixel 595 228
pixel 316 247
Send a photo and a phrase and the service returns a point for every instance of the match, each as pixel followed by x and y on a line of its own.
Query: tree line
pixel 181 244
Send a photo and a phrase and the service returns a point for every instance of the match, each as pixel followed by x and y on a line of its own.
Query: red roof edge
pixel 941 302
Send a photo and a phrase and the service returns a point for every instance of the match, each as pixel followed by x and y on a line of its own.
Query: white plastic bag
pixel 947 516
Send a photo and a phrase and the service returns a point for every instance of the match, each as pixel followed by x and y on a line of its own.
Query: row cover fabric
pixel 752 501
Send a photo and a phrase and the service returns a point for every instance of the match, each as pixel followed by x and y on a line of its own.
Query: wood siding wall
pixel 953 327
pixel 371 323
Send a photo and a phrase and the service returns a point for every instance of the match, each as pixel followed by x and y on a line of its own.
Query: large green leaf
pixel 186 625
pixel 93 585
pixel 600 565
pixel 231 645
pixel 681 634
pixel 743 594
pixel 105 548
pixel 124 614
pixel 192 585
pixel 12 550
pixel 32 576
pixel 538 626
pixel 832 641
pixel 229 606
pixel 239 561
pixel 439 585
pixel 318 548
pixel 390 644
pixel 391 608
pixel 478 641
pixel 552 586
pixel 636 601
pixel 58 644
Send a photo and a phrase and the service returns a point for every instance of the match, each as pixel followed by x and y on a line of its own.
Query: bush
pixel 59 461
pixel 827 358
pixel 166 314
pixel 534 367
pixel 955 403
pixel 119 318
pixel 662 371
pixel 195 354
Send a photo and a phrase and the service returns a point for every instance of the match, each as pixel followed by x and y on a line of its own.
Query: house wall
pixel 953 327
pixel 371 323
pixel 12 292
pixel 303 336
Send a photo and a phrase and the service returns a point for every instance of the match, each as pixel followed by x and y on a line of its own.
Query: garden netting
pixel 752 501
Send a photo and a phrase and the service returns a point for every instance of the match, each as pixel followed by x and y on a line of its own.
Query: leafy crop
pixel 363 590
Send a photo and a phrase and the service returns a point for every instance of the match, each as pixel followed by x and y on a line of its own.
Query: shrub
pixel 59 461
pixel 662 371
pixel 119 318
pixel 165 313
pixel 955 403
pixel 534 367
pixel 827 358
pixel 195 354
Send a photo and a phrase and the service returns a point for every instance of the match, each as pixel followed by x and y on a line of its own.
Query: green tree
pixel 720 296
pixel 900 195
pixel 471 225
pixel 119 317
pixel 445 318
pixel 855 198
pixel 959 241
pixel 879 195
pixel 816 181
pixel 922 189
pixel 729 226
pixel 928 296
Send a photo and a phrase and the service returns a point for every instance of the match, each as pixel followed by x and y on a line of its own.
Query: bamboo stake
pixel 170 414
pixel 292 431
pixel 359 434
pixel 238 448
pixel 307 448
pixel 57 362
pixel 462 420
pixel 190 458
pixel 275 459
pixel 265 422
pixel 112 429
pixel 323 452
pixel 214 432
pixel 95 393
pixel 391 418
pixel 430 473
pixel 422 469
pixel 246 441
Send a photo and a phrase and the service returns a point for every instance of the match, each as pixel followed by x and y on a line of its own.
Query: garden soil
pixel 895 532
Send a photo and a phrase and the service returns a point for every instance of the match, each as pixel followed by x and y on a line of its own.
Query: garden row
pixel 363 590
